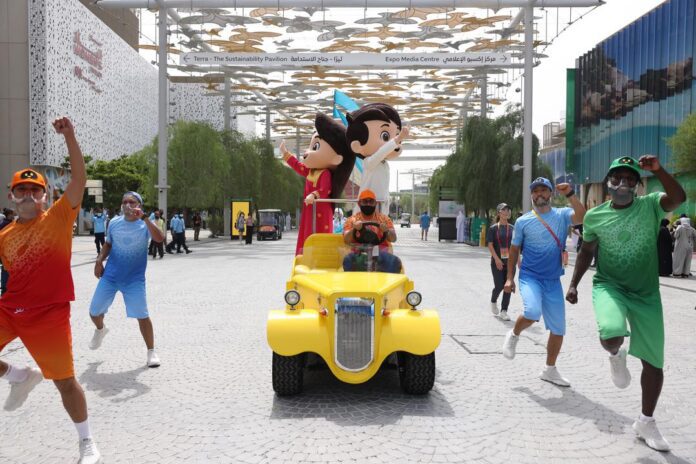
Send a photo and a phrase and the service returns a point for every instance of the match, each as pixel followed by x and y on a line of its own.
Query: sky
pixel 549 76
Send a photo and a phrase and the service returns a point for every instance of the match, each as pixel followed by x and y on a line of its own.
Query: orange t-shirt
pixel 37 254
pixel 376 217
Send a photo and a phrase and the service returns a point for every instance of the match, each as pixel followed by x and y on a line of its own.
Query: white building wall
pixel 80 68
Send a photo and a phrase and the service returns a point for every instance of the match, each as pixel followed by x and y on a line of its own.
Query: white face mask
pixel 621 194
pixel 28 207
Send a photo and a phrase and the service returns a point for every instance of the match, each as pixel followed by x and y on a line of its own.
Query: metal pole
pixel 528 93
pixel 413 193
pixel 484 96
pixel 398 196
pixel 163 117
pixel 297 141
pixel 226 109
pixel 268 124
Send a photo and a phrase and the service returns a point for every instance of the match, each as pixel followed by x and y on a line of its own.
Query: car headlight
pixel 414 299
pixel 292 297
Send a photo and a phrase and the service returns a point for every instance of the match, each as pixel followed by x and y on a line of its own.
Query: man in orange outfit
pixel 36 250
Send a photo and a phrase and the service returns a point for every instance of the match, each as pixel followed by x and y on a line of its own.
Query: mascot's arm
pixel 380 155
pixel 298 167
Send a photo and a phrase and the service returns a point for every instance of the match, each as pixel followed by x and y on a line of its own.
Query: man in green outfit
pixel 626 285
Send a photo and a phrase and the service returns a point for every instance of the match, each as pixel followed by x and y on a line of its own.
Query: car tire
pixel 288 373
pixel 416 373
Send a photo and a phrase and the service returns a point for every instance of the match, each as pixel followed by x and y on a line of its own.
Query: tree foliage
pixel 206 168
pixel 480 169
pixel 683 145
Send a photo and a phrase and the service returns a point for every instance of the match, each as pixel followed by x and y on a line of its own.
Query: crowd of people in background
pixel 675 246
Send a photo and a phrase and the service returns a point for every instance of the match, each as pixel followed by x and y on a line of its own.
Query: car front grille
pixel 355 333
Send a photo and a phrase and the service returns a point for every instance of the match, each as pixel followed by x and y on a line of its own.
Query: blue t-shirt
pixel 177 224
pixel 129 242
pixel 541 255
pixel 425 221
pixel 99 222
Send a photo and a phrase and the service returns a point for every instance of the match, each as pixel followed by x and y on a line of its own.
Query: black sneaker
pixel 188 251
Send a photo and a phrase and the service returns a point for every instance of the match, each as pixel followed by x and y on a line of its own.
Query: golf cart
pixel 405 220
pixel 271 223
pixel 354 321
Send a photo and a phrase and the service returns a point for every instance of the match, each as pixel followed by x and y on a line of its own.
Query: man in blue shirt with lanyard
pixel 540 235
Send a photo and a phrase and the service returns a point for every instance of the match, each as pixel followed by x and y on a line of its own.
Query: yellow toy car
pixel 354 321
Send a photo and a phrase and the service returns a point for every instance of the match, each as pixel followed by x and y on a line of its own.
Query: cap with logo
pixel 27 176
pixel 541 181
pixel 625 162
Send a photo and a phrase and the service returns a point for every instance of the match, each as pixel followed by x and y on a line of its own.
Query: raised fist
pixel 649 163
pixel 564 188
pixel 63 126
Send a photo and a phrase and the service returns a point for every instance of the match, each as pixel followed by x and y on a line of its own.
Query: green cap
pixel 625 162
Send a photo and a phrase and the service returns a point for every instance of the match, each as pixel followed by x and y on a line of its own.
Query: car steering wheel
pixel 366 236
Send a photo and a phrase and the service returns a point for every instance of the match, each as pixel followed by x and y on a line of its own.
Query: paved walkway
pixel 212 401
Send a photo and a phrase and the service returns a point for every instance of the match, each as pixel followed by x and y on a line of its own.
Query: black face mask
pixel 367 210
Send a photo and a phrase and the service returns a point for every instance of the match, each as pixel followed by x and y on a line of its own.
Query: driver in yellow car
pixel 365 230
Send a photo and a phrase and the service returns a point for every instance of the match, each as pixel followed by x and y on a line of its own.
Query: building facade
pixel 630 93
pixel 70 58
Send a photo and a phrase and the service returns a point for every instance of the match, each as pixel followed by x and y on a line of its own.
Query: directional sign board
pixel 94 190
pixel 94 183
pixel 347 60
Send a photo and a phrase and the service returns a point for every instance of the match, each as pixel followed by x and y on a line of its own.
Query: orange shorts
pixel 45 332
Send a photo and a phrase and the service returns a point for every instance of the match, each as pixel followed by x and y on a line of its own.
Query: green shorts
pixel 613 306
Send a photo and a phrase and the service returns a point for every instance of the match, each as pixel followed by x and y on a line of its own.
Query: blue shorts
pixel 544 297
pixel 133 295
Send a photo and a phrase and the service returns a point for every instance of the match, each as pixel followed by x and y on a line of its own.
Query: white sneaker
pixel 494 308
pixel 551 374
pixel 19 392
pixel 648 432
pixel 510 345
pixel 152 359
pixel 619 372
pixel 89 454
pixel 504 315
pixel 98 338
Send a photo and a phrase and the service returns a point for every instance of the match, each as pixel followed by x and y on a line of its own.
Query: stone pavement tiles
pixel 212 401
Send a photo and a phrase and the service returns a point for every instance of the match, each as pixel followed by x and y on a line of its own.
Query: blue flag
pixel 343 100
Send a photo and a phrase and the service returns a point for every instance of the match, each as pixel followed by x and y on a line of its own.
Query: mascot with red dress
pixel 326 165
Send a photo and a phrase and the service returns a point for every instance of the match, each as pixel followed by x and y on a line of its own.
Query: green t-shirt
pixel 627 240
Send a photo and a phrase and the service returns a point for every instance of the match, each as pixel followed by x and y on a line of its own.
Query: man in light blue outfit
pixel 178 228
pixel 540 236
pixel 126 247
pixel 99 219
pixel 424 225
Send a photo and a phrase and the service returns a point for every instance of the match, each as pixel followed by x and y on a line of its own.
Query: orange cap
pixel 367 193
pixel 27 176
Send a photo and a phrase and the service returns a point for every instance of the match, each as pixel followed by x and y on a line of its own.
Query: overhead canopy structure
pixel 488 4
pixel 435 101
